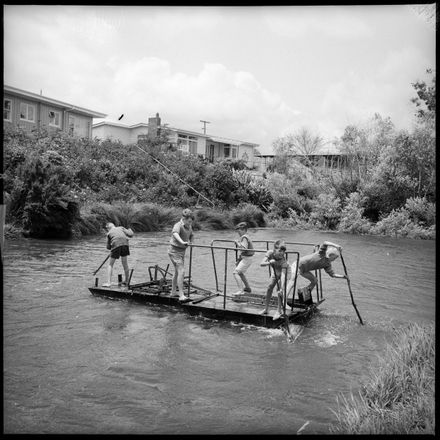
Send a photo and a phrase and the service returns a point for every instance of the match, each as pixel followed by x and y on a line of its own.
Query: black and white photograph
pixel 219 220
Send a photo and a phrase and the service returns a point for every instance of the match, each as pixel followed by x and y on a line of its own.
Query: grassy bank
pixel 148 217
pixel 399 395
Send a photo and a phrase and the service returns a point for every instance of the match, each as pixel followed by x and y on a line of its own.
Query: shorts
pixel 282 275
pixel 244 264
pixel 177 259
pixel 120 251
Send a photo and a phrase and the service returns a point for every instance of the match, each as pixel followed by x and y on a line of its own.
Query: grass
pixel 399 397
pixel 149 217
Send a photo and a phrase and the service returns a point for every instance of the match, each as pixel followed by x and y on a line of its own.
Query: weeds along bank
pixel 398 396
pixel 57 186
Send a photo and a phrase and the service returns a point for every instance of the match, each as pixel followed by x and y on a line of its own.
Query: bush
pixel 255 187
pixel 286 197
pixel 351 219
pixel 421 211
pixel 250 214
pixel 399 223
pixel 326 212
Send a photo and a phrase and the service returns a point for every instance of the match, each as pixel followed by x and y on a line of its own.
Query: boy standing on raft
pixel 276 258
pixel 244 260
pixel 181 237
pixel 117 243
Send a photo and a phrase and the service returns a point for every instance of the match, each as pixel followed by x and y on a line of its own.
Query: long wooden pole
pixel 349 288
pixel 102 264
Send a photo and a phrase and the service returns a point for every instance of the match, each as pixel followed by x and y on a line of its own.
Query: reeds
pixel 399 397
pixel 150 217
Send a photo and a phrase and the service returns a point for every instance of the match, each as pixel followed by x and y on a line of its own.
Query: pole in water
pixel 102 264
pixel 349 289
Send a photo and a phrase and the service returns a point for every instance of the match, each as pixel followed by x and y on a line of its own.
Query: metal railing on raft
pixel 285 272
pixel 236 250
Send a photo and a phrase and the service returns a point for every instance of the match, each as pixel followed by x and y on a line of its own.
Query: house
pixel 188 142
pixel 31 111
pixel 328 157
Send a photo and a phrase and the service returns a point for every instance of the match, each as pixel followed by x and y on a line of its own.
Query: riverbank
pixel 148 217
pixel 398 397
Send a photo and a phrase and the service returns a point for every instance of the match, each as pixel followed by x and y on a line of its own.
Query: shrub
pixel 399 223
pixel 212 219
pixel 250 214
pixel 421 211
pixel 255 188
pixel 351 218
pixel 326 211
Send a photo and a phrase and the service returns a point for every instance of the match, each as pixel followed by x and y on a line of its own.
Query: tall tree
pixel 303 143
pixel 425 100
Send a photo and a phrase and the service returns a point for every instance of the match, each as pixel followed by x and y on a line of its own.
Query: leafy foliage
pixel 388 178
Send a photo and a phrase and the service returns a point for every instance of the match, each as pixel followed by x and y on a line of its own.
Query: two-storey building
pixel 31 111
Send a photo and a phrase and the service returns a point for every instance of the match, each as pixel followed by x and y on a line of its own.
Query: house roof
pixel 55 102
pixel 327 150
pixel 181 130
pixel 231 141
pixel 177 130
pixel 118 124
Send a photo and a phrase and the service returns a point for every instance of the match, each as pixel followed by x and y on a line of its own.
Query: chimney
pixel 154 126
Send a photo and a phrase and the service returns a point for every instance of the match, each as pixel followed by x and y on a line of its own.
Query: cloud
pixel 387 90
pixel 235 103
pixel 324 22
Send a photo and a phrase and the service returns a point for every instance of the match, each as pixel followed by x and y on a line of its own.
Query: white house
pixel 188 142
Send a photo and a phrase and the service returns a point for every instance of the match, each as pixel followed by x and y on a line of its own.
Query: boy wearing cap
pixel 321 259
pixel 181 237
pixel 244 260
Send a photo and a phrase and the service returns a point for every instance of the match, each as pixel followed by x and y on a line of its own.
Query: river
pixel 79 364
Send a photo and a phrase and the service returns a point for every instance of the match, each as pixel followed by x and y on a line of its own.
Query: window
pixel 27 112
pixel 7 110
pixel 55 119
pixel 71 124
pixel 229 151
pixel 187 144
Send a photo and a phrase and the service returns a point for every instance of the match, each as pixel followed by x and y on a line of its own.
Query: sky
pixel 254 73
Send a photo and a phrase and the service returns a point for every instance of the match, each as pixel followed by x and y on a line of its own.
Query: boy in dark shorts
pixel 321 259
pixel 277 259
pixel 117 243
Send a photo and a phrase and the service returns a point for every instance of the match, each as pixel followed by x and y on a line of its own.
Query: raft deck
pixel 218 304
pixel 247 309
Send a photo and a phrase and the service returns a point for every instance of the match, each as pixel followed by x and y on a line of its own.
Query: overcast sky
pixel 255 73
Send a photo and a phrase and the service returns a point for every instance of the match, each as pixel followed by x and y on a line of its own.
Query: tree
pixel 303 143
pixel 425 101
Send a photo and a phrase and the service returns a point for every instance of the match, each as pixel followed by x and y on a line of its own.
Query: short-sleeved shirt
pixel 317 260
pixel 118 236
pixel 280 260
pixel 185 233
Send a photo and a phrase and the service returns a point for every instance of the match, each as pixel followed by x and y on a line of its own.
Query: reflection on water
pixel 74 363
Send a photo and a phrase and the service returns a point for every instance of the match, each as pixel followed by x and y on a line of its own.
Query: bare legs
pixel 179 273
pixel 241 280
pixel 111 263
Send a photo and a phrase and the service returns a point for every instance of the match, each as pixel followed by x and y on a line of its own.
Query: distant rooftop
pixel 64 105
